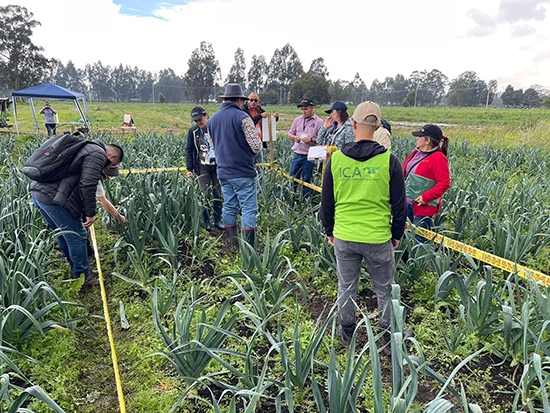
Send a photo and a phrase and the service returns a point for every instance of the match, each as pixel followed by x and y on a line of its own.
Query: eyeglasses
pixel 254 100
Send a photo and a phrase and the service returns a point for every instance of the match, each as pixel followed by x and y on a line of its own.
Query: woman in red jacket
pixel 427 178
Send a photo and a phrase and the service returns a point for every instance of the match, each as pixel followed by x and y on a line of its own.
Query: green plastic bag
pixel 416 185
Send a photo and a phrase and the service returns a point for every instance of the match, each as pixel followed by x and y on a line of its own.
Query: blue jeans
pixel 51 128
pixel 240 192
pixel 419 221
pixel 73 243
pixel 301 168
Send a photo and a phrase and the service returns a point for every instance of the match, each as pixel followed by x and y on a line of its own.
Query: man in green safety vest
pixel 363 188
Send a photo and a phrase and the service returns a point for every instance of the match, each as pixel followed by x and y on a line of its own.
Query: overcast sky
pixel 506 40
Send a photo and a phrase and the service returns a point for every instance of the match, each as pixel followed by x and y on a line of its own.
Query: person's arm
pixel 259 116
pixel 440 172
pixel 383 137
pixel 322 135
pixel 327 200
pixel 190 153
pixel 398 199
pixel 110 208
pixel 292 132
pixel 92 166
pixel 53 111
pixel 251 135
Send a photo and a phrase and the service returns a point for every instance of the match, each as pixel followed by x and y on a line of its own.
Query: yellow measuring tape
pixel 109 331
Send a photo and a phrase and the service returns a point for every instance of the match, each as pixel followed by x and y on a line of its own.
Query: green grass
pixel 478 125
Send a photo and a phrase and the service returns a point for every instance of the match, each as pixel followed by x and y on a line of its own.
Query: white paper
pixel 265 129
pixel 317 152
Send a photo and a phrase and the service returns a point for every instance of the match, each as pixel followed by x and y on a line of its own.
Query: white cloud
pixel 376 39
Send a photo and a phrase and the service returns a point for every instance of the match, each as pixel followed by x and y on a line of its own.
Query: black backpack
pixel 51 162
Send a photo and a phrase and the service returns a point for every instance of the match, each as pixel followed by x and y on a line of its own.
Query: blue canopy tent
pixel 51 91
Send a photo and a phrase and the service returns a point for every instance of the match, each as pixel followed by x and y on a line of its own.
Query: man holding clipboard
pixel 303 132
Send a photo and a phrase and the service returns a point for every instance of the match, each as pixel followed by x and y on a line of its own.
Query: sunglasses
pixel 254 100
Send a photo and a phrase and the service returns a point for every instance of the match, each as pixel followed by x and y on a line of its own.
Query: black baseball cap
pixel 432 131
pixel 306 102
pixel 197 113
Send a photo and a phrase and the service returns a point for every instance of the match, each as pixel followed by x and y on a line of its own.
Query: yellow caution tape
pixel 307 184
pixel 108 320
pixel 491 259
pixel 483 256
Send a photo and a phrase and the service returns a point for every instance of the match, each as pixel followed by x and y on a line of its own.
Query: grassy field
pixel 501 127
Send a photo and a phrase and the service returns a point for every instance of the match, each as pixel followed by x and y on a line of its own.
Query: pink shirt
pixel 308 127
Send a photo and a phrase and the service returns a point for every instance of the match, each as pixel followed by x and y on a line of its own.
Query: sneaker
pixel 219 225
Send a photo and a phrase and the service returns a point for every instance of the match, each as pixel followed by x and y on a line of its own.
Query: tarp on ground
pixel 51 91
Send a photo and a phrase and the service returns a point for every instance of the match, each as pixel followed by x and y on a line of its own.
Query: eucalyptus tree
pixel 203 73
pixel 98 78
pixel 319 68
pixel 359 90
pixel 284 68
pixel 257 74
pixel 311 86
pixel 237 73
pixel 21 61
pixel 466 90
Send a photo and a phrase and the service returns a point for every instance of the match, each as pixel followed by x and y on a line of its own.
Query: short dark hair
pixel 118 151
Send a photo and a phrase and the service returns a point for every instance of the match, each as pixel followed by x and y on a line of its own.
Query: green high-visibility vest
pixel 362 198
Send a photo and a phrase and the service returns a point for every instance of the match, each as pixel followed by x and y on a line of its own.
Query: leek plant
pixel 298 363
pixel 15 406
pixel 478 310
pixel 190 336
pixel 344 388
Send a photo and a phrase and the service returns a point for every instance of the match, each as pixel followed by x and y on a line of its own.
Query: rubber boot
pixel 218 216
pixel 249 235
pixel 232 241
pixel 206 217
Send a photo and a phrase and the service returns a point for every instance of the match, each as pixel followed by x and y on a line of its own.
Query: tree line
pixel 281 80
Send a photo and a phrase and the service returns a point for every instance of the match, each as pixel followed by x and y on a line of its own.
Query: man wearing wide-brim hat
pixel 236 142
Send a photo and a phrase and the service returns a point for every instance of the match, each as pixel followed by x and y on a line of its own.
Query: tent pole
pixel 15 115
pixel 88 113
pixel 81 113
pixel 34 116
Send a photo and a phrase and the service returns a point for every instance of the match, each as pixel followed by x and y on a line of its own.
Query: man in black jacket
pixel 200 159
pixel 63 203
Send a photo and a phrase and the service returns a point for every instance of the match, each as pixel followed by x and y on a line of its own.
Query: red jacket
pixel 436 168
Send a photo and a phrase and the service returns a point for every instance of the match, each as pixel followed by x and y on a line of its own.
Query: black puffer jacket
pixel 76 193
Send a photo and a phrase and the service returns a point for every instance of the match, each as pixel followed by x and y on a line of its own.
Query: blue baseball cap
pixel 339 105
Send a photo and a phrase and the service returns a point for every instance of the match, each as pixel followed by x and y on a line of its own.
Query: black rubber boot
pixel 218 215
pixel 232 242
pixel 249 235
pixel 206 217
